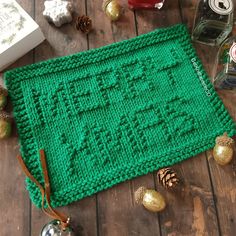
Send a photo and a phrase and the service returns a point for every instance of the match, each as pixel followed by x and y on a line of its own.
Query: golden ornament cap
pixel 150 199
pixel 139 194
pixel 224 140
pixel 112 9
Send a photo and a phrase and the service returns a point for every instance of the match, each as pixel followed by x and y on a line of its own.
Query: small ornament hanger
pixel 60 224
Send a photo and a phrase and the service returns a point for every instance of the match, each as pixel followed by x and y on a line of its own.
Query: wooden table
pixel 204 204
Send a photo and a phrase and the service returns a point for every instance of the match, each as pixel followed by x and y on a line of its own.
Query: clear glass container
pixel 225 65
pixel 213 21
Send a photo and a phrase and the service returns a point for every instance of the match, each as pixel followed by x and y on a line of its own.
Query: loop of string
pixel 45 191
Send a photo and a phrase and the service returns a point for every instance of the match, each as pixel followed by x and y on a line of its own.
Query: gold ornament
pixel 168 178
pixel 5 125
pixel 3 97
pixel 223 150
pixel 150 199
pixel 112 9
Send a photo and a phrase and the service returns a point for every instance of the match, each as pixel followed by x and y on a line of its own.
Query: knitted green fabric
pixel 110 114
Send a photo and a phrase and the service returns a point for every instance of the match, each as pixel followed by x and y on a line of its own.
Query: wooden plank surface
pixel 14 201
pixel 189 217
pixel 204 203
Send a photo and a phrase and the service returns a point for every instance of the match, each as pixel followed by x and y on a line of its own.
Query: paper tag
pixel 232 52
pixel 222 7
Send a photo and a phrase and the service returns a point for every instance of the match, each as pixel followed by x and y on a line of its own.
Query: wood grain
pixel 14 200
pixel 222 178
pixel 203 204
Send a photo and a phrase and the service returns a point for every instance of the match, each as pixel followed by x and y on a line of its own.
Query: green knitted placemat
pixel 110 114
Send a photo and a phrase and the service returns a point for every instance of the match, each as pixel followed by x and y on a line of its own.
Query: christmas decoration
pixel 112 9
pixel 3 97
pixel 5 125
pixel 60 225
pixel 54 229
pixel 19 33
pixel 167 177
pixel 122 133
pixel 225 65
pixel 223 150
pixel 214 21
pixel 84 24
pixel 58 12
pixel 146 4
pixel 150 199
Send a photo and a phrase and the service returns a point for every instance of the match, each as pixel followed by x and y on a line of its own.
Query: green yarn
pixel 110 114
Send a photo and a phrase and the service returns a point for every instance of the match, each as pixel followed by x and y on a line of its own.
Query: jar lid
pixel 222 7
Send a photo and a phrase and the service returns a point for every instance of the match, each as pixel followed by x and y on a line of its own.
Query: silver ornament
pixel 54 229
pixel 58 12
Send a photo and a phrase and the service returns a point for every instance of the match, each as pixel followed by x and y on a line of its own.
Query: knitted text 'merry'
pixel 110 114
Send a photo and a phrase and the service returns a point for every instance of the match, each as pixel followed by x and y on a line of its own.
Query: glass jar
pixel 213 21
pixel 225 65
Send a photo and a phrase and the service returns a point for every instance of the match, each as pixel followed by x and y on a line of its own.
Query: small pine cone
pixel 224 140
pixel 167 177
pixel 84 23
pixel 138 195
pixel 3 91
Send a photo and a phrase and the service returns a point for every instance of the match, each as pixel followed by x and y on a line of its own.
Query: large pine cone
pixel 167 177
pixel 84 23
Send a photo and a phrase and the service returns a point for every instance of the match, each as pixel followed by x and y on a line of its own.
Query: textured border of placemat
pixel 14 77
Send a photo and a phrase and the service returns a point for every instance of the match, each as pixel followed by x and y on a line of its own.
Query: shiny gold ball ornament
pixel 3 97
pixel 112 9
pixel 150 199
pixel 223 150
pixel 5 125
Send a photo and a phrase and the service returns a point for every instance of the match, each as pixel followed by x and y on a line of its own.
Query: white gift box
pixel 19 33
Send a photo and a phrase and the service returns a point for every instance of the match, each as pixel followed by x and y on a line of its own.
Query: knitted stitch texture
pixel 110 114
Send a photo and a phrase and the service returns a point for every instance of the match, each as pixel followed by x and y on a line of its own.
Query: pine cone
pixel 84 23
pixel 167 177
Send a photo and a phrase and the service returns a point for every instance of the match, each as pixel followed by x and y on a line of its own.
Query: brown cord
pixel 46 191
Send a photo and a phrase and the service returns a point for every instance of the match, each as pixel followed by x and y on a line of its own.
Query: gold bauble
pixel 223 154
pixel 150 199
pixel 5 125
pixel 112 9
pixel 223 150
